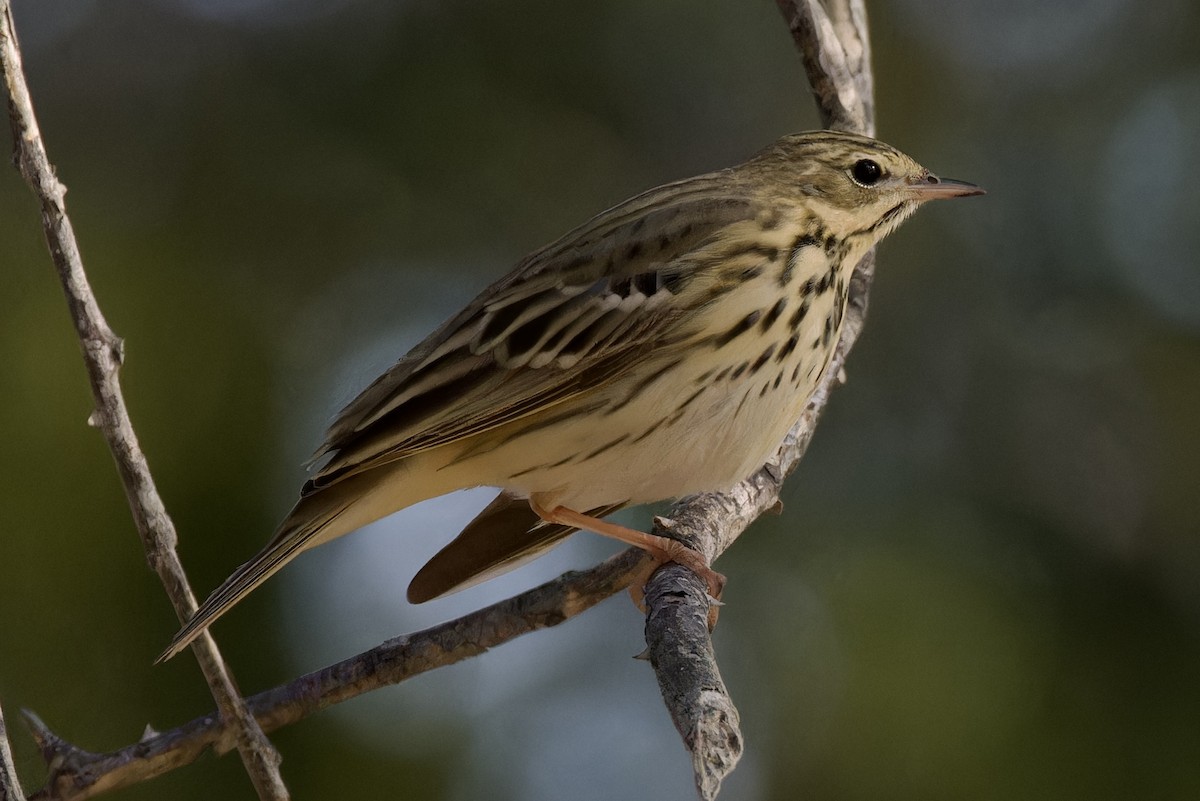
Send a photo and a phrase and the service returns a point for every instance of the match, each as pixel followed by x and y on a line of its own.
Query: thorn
pixel 842 377
pixel 776 508
pixel 665 523
pixel 93 419
pixel 714 613
pixel 53 748
pixel 40 731
pixel 714 602
pixel 644 656
pixel 149 733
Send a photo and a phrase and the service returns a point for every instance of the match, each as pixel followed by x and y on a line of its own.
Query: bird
pixel 662 348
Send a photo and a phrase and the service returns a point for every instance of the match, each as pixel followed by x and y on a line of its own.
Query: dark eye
pixel 866 172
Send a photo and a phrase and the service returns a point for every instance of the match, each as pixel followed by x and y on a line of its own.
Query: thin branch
pixel 832 38
pixel 10 787
pixel 77 774
pixel 102 354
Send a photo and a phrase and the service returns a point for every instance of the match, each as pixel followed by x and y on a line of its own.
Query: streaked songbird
pixel 663 348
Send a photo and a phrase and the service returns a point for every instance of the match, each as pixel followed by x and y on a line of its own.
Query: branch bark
pixel 102 355
pixel 76 774
pixel 10 787
pixel 832 38
pixel 833 41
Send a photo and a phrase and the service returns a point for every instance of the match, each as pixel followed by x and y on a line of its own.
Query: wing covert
pixel 571 317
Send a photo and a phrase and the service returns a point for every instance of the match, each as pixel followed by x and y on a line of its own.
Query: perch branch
pixel 102 353
pixel 832 39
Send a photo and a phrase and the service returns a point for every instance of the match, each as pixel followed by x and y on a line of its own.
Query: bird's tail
pixel 502 537
pixel 318 517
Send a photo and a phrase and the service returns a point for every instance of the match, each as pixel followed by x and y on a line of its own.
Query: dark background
pixel 985 582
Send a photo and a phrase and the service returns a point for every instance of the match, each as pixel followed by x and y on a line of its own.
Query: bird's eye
pixel 866 172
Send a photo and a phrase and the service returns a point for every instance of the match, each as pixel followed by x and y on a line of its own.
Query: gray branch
pixel 10 787
pixel 832 39
pixel 77 774
pixel 833 42
pixel 102 354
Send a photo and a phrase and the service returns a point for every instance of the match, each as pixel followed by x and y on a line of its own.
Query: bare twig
pixel 78 774
pixel 10 788
pixel 102 354
pixel 832 38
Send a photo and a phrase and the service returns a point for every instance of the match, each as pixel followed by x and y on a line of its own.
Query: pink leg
pixel 663 549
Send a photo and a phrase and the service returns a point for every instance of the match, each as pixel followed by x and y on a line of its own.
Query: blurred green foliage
pixel 986 583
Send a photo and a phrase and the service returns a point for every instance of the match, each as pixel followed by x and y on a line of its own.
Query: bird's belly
pixel 673 439
pixel 707 449
pixel 725 434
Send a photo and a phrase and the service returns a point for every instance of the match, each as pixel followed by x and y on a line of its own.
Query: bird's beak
pixel 930 187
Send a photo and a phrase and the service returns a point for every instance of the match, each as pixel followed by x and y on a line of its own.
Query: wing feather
pixel 571 317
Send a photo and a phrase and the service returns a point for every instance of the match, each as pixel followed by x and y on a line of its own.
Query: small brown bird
pixel 662 348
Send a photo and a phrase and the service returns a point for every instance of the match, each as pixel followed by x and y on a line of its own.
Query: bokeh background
pixel 986 581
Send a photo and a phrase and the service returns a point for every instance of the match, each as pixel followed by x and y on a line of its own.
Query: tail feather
pixel 504 536
pixel 316 518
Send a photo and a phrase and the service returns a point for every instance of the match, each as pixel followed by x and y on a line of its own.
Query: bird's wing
pixel 571 317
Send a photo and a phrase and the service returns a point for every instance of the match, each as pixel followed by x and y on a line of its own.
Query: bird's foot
pixel 663 549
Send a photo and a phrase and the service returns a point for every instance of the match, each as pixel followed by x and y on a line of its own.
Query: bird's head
pixel 860 187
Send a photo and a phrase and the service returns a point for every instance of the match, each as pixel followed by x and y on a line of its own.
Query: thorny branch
pixel 102 354
pixel 832 38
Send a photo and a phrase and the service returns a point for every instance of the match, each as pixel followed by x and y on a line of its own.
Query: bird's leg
pixel 663 549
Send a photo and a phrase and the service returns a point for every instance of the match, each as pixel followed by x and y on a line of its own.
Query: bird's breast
pixel 703 415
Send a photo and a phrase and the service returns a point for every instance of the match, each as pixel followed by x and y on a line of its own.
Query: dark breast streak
pixel 790 347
